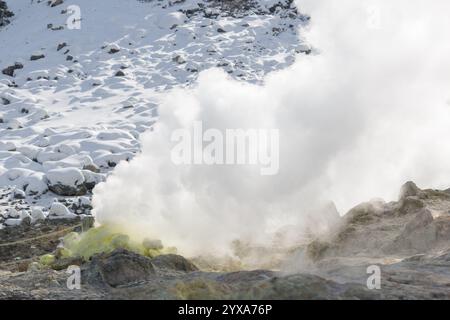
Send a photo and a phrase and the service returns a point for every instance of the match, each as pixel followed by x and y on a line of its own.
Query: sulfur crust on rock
pixel 47 260
pixel 106 239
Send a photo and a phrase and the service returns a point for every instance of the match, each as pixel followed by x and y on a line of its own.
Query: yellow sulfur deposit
pixel 62 253
pixel 47 260
pixel 105 239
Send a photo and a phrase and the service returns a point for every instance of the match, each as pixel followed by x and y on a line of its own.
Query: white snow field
pixel 74 101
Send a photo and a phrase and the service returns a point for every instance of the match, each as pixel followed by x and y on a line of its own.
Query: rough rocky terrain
pixel 408 239
pixel 126 275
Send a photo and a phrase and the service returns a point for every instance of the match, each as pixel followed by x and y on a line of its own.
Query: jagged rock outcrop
pixel 417 223
pixel 122 267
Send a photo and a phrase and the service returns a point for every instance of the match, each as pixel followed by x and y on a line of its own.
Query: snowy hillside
pixel 76 91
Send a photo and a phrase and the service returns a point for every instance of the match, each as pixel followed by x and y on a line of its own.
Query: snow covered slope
pixel 76 91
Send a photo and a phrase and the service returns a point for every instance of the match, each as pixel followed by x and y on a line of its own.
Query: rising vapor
pixel 368 110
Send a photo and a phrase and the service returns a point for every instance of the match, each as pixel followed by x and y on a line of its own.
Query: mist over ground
pixel 368 110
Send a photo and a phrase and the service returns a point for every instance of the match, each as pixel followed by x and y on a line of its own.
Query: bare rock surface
pixel 418 223
pixel 125 275
pixel 119 268
pixel 411 248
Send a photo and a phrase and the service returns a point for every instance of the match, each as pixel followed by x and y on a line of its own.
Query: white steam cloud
pixel 368 112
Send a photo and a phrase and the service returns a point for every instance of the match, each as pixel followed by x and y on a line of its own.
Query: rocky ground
pixel 408 239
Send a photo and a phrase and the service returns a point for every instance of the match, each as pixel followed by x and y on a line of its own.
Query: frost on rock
pixel 59 210
pixel 35 185
pixel 13 213
pixel 37 215
pixel 66 182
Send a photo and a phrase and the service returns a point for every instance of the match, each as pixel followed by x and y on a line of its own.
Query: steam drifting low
pixel 368 110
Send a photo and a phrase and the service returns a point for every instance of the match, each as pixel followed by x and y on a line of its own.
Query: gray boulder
pixel 66 182
pixel 409 189
pixel 119 268
pixel 9 71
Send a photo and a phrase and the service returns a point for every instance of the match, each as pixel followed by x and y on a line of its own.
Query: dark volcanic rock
pixel 119 268
pixel 61 46
pixel 37 57
pixel 9 71
pixel 5 101
pixel 68 191
pixel 54 3
pixel 241 8
pixel 120 73
pixel 113 51
pixel 5 14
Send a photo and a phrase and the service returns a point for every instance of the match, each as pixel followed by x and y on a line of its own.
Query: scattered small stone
pixel 56 28
pixel 178 59
pixel 61 46
pixel 18 194
pixel 113 50
pixel 54 3
pixel 9 71
pixel 37 57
